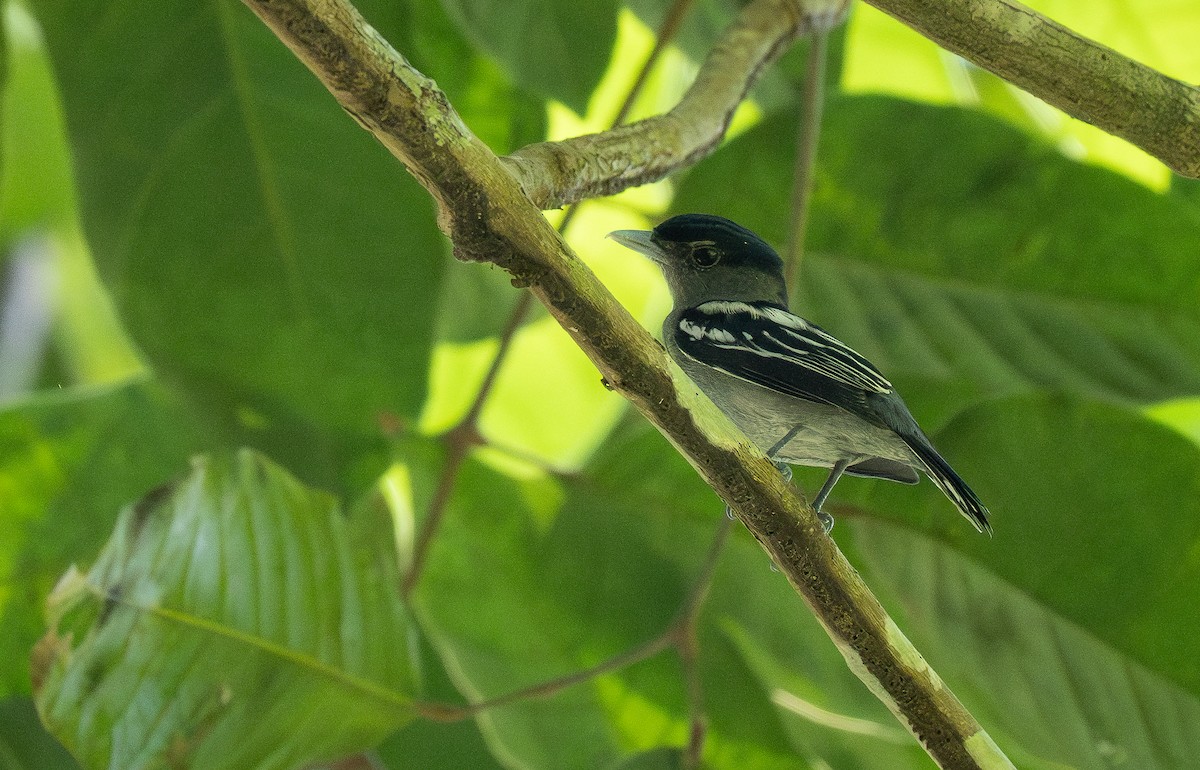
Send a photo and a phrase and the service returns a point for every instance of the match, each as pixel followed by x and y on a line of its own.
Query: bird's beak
pixel 641 242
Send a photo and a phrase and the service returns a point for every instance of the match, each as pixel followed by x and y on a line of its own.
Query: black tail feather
pixel 940 472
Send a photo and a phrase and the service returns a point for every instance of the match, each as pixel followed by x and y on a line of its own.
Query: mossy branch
pixel 484 209
pixel 1082 78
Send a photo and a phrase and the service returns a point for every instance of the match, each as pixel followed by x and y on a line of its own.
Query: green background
pixel 208 254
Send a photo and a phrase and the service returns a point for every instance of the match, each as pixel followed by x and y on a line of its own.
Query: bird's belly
pixel 828 434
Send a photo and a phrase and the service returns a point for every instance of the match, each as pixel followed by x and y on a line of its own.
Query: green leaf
pixel 1096 510
pixel 235 619
pixel 68 461
pixel 524 585
pixel 1050 693
pixel 24 743
pixel 555 50
pixel 946 245
pixel 1091 568
pixel 260 246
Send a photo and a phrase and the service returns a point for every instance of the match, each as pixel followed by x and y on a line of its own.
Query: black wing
pixel 768 346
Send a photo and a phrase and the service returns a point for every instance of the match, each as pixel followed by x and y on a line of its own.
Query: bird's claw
pixel 826 521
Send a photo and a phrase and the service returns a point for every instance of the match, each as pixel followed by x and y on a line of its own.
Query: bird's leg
pixel 781 443
pixel 834 474
pixel 825 519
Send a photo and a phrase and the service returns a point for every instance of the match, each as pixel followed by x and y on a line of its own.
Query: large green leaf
pixel 1050 692
pixel 947 245
pixel 620 549
pixel 1097 517
pixel 260 246
pixel 556 50
pixel 68 462
pixel 235 619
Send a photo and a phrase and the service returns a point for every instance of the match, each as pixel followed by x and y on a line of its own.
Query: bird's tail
pixel 941 474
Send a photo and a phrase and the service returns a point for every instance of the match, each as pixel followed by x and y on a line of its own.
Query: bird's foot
pixel 785 469
pixel 729 514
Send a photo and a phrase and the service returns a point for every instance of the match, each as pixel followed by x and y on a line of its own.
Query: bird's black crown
pixel 736 244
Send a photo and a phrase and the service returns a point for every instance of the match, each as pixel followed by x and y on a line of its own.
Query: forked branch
pixel 485 211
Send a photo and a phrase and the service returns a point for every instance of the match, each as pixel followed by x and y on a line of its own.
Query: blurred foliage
pixel 227 261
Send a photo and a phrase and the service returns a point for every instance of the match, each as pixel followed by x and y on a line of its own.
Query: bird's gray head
pixel 706 257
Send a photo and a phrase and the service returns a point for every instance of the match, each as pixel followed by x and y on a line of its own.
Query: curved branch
pixel 553 174
pixel 485 212
pixel 1082 78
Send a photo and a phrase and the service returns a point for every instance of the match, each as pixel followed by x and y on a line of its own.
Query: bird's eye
pixel 705 256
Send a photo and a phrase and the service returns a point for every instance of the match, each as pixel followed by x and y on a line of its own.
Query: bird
pixel 797 392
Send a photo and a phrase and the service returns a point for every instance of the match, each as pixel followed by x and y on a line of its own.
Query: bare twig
pixel 489 218
pixel 808 136
pixel 459 441
pixel 466 434
pixel 680 634
pixel 666 33
pixel 442 712
pixel 685 631
pixel 1086 80
pixel 808 133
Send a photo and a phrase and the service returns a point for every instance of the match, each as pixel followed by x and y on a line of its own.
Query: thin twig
pixel 680 633
pixel 666 33
pixel 465 435
pixel 448 713
pixel 688 643
pixel 459 442
pixel 808 136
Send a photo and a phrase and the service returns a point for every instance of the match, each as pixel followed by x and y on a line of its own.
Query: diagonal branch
pixel 1086 80
pixel 488 217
